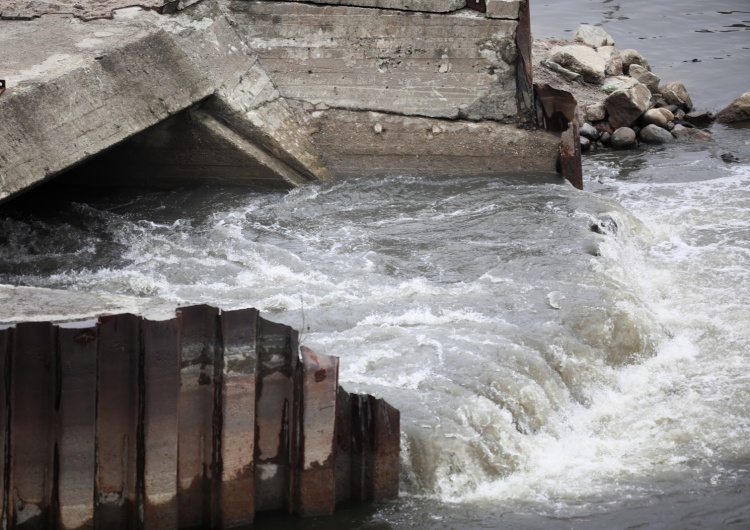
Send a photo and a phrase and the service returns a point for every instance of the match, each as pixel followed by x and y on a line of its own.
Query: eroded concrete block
pixel 394 61
pixel 503 9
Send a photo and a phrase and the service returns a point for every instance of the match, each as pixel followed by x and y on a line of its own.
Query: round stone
pixel 653 134
pixel 623 138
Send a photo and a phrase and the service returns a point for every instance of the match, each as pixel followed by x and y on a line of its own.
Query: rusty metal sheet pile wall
pixel 197 421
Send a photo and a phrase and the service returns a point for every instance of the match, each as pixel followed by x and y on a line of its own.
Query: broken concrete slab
pixel 581 59
pixel 429 6
pixel 83 9
pixel 626 104
pixel 449 66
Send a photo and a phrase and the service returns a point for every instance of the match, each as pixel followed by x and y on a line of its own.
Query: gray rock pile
pixel 622 103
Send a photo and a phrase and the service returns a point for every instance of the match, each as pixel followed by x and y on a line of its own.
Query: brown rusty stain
pixel 525 93
pixel 320 375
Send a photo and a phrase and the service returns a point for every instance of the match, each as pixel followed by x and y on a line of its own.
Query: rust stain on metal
pixel 137 423
pixel 2 86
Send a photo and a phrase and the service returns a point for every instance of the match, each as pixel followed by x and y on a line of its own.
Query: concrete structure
pixel 198 420
pixel 267 93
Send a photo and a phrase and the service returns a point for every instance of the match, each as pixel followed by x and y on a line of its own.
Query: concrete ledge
pixel 430 6
pixel 370 143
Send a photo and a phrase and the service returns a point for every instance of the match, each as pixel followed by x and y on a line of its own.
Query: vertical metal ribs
pixel 195 422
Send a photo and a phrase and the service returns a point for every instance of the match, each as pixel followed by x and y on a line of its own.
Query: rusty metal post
pixel 560 114
pixel 77 426
pixel 6 341
pixel 161 391
pixel 317 481
pixel 275 397
pixel 386 437
pixel 197 392
pixel 236 438
pixel 118 374
pixel 477 5
pixel 32 434
pixel 343 445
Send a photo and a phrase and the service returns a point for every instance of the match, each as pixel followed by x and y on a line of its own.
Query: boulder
pixel 653 134
pixel 594 36
pixel 595 112
pixel 623 138
pixel 613 58
pixel 631 56
pixel 737 110
pixel 658 117
pixel 589 131
pixel 676 94
pixel 626 104
pixel 605 138
pixel 585 144
pixel 581 59
pixel 684 133
pixel 616 83
pixel 699 118
pixel 642 75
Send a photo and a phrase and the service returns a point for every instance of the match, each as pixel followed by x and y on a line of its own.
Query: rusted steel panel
pixel 237 496
pixel 570 156
pixel 77 348
pixel 559 110
pixel 118 378
pixel 197 393
pixel 275 396
pixel 6 338
pixel 317 485
pixel 343 445
pixel 32 429
pixel 161 390
pixel 386 437
pixel 361 480
pixel 524 68
pixel 296 429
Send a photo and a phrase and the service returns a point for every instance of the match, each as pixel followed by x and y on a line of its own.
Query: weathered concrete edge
pixel 105 105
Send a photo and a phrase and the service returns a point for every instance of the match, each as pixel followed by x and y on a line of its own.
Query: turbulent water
pixel 561 359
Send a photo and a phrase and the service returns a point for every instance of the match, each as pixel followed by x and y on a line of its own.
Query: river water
pixel 561 359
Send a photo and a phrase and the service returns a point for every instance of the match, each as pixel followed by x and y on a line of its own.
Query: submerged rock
pixel 699 118
pixel 738 110
pixel 685 133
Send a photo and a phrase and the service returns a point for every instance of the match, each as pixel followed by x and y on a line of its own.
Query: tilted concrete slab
pixel 449 66
pixel 75 89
